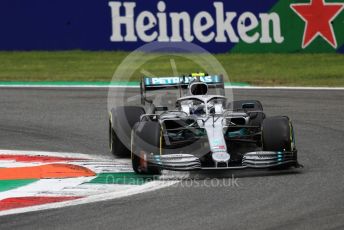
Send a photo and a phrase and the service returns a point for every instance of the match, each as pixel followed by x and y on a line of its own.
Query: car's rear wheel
pixel 146 141
pixel 121 122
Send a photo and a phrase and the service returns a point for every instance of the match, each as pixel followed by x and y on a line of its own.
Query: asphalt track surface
pixel 75 120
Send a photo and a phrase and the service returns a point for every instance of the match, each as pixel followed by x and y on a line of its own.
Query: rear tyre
pixel 121 122
pixel 146 141
pixel 117 148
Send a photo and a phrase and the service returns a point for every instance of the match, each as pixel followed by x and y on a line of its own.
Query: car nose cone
pixel 219 157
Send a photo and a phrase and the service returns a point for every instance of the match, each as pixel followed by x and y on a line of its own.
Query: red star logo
pixel 318 16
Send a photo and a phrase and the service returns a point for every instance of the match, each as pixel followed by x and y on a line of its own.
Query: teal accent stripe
pixel 236 84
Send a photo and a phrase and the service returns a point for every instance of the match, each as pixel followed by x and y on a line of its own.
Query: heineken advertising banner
pixel 240 26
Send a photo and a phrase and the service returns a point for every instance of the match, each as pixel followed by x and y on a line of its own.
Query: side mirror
pixel 161 108
pixel 248 106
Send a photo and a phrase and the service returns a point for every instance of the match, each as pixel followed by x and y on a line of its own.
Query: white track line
pixel 131 86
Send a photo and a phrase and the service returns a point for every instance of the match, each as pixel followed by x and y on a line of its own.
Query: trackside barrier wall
pixel 236 26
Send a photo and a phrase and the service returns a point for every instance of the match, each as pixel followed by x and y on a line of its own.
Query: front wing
pixel 256 160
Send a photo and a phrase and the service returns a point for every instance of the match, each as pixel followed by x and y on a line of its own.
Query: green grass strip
pixel 6 185
pixel 73 67
pixel 127 178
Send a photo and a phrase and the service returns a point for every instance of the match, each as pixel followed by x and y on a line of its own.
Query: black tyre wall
pixel 123 118
pixel 147 136
pixel 277 134
pixel 146 139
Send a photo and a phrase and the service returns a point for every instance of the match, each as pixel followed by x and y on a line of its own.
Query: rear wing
pixel 156 83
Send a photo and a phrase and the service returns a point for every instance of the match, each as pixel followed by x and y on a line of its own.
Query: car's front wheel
pixel 278 136
pixel 146 141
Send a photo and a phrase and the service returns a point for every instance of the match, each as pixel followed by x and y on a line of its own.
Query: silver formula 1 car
pixel 202 130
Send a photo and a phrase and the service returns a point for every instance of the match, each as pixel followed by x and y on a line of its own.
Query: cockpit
pixel 199 103
pixel 202 105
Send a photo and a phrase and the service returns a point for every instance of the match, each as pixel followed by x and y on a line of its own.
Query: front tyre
pixel 146 141
pixel 278 136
